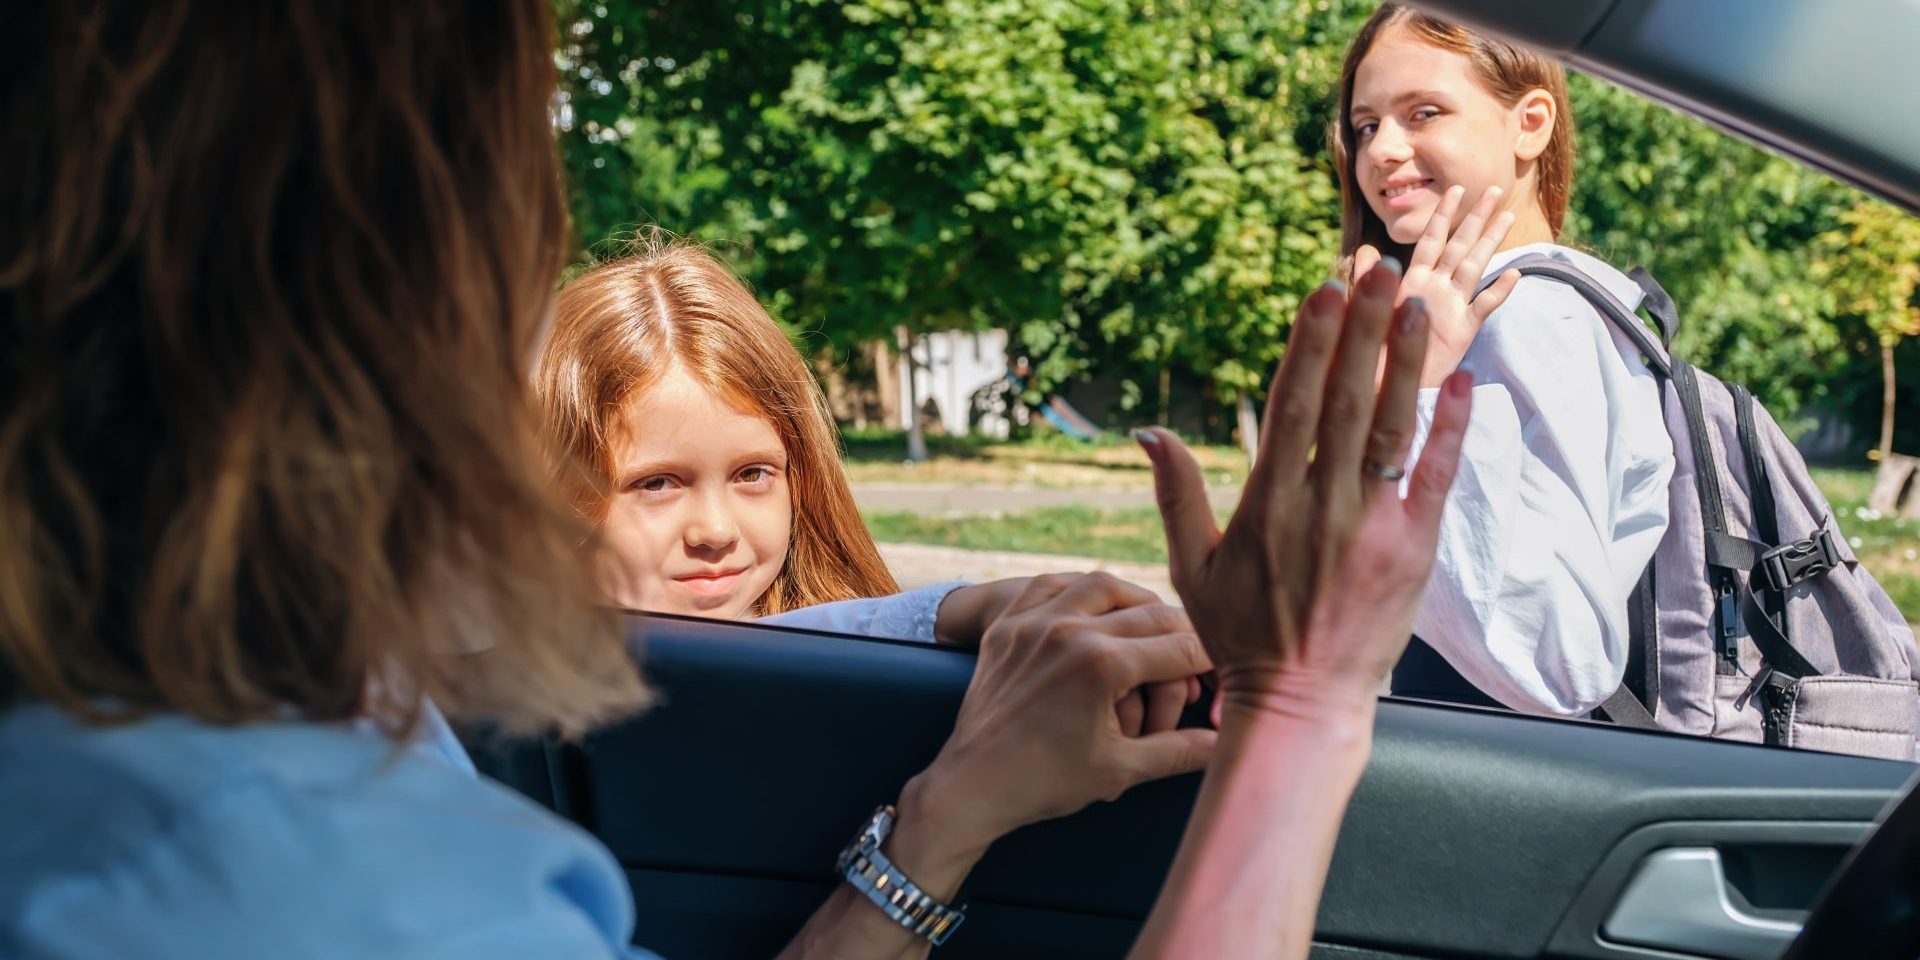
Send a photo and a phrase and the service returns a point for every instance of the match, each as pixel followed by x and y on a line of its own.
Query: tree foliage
pixel 1130 186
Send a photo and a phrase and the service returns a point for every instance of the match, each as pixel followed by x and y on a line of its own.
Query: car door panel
pixel 1474 833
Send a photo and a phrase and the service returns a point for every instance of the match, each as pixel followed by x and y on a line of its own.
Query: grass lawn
pixel 1887 546
pixel 1890 548
pixel 1047 461
pixel 1131 535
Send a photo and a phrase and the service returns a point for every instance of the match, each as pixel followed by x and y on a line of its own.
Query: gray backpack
pixel 1754 621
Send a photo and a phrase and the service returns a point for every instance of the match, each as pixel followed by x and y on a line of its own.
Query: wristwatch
pixel 871 873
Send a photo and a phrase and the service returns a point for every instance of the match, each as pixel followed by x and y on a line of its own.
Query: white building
pixel 949 366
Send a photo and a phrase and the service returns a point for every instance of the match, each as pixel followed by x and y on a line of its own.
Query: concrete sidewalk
pixel 944 500
pixel 919 565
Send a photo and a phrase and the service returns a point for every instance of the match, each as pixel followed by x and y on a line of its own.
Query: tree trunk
pixel 1896 487
pixel 886 382
pixel 916 431
pixel 1886 399
pixel 831 376
pixel 1166 394
pixel 1249 426
pixel 1210 412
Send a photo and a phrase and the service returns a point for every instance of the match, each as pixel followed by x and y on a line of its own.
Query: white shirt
pixel 1560 501
pixel 902 616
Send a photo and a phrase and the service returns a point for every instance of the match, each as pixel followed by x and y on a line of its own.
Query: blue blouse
pixel 172 838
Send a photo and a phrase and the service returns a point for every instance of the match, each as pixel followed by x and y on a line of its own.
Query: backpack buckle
pixel 1787 566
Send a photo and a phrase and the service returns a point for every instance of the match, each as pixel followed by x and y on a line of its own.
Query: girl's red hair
pixel 622 324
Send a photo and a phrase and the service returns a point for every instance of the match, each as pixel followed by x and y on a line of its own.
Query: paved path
pixel 918 565
pixel 943 500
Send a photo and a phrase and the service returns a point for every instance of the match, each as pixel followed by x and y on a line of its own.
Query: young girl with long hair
pixel 1562 496
pixel 702 449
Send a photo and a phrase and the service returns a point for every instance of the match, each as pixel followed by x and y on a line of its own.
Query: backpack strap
pixel 1603 300
pixel 1726 624
pixel 1658 304
pixel 1774 646
pixel 1765 516
pixel 1640 685
pixel 1626 710
pixel 1769 573
pixel 1766 519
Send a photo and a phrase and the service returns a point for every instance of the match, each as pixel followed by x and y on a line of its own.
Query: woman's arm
pixel 1042 732
pixel 1306 600
pixel 1249 873
pixel 1303 603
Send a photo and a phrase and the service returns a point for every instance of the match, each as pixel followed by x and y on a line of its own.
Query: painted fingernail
pixel 1337 285
pixel 1149 443
pixel 1410 316
pixel 1390 264
pixel 1459 384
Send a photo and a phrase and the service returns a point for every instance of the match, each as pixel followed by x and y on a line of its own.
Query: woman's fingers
pixel 1150 619
pixel 1168 658
pixel 1174 752
pixel 1181 493
pixel 1494 295
pixel 1165 702
pixel 1433 240
pixel 1039 590
pixel 1346 416
pixel 1299 386
pixel 1364 260
pixel 1439 458
pixel 1468 234
pixel 1131 712
pixel 1081 594
pixel 1394 413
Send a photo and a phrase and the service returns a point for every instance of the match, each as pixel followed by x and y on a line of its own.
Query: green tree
pixel 1141 191
pixel 1726 227
pixel 1872 264
pixel 1111 181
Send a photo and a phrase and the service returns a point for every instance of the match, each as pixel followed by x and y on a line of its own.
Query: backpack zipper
pixel 1776 695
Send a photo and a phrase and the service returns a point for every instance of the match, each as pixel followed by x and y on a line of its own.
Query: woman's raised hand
pixel 1444 272
pixel 1306 600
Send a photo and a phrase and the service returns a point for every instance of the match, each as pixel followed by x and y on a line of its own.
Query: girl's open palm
pixel 1444 272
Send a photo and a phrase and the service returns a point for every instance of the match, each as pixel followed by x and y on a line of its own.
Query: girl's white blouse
pixel 908 615
pixel 1560 501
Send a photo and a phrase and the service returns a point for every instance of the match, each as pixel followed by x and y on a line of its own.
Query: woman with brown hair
pixel 270 281
pixel 1563 492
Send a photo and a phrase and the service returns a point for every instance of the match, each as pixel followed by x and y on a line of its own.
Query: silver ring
pixel 1385 471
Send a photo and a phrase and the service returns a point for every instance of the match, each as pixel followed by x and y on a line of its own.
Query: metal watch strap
pixel 873 874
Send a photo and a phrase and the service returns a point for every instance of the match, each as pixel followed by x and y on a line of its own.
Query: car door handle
pixel 1679 901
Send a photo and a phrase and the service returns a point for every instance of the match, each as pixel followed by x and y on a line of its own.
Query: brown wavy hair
pixel 621 325
pixel 270 277
pixel 1506 71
